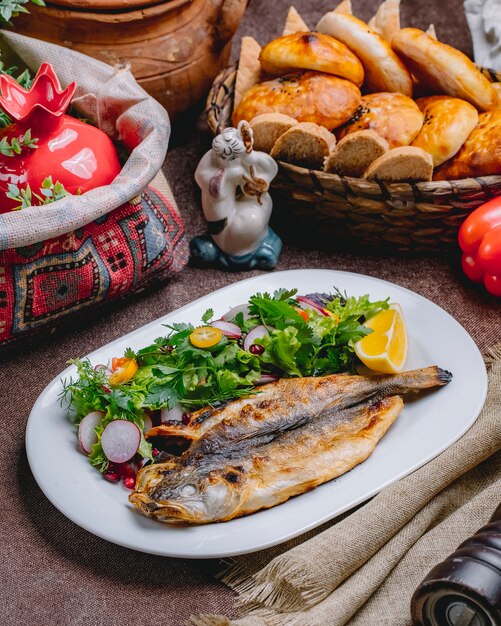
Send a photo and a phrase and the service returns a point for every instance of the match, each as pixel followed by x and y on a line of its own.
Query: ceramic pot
pixel 78 155
pixel 174 48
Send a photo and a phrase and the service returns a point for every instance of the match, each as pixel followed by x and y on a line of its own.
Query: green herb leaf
pixel 207 316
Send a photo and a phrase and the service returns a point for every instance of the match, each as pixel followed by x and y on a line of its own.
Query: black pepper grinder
pixel 465 589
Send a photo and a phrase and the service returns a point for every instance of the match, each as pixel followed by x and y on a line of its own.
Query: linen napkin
pixel 362 569
pixel 484 20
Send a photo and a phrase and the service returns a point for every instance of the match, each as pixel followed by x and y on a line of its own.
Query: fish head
pixel 190 495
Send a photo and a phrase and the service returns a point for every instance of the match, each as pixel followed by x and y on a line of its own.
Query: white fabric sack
pixel 111 98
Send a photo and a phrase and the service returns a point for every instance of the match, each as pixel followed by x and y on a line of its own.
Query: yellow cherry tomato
pixel 123 370
pixel 118 362
pixel 205 337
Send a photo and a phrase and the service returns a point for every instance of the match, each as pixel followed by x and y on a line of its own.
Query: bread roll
pixel 267 128
pixel 393 116
pixel 353 154
pixel 344 7
pixel 311 51
pixel 443 68
pixel 294 23
pixel 308 97
pixel 401 164
pixel 497 88
pixel 431 32
pixel 480 154
pixel 447 124
pixel 305 144
pixel 249 68
pixel 386 22
pixel 384 71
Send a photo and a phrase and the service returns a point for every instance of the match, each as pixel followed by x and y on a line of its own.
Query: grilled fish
pixel 289 402
pixel 255 458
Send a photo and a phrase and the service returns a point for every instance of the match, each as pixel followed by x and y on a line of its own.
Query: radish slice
pixel 266 378
pixel 147 424
pixel 120 441
pixel 86 434
pixel 228 328
pixel 232 313
pixel 306 303
pixel 255 333
pixel 174 414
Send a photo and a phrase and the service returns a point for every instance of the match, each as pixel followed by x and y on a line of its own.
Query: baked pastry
pixel 294 23
pixel 447 125
pixel 431 32
pixel 311 51
pixel 355 152
pixel 305 144
pixel 497 88
pixel 393 116
pixel 384 71
pixel 268 127
pixel 344 7
pixel 401 164
pixel 443 68
pixel 386 22
pixel 307 97
pixel 249 68
pixel 480 154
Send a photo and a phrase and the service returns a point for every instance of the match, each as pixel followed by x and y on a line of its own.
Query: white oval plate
pixel 426 427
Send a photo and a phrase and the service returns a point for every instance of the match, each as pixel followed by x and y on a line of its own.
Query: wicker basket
pixel 355 213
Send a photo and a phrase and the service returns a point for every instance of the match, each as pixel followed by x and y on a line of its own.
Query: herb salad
pixel 271 336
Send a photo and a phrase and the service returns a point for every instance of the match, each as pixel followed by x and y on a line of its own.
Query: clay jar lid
pixel 96 6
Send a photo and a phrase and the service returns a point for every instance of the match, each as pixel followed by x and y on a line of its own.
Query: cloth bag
pixel 362 568
pixel 64 257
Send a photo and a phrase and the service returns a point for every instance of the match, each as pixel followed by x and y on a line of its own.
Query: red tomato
pixel 480 240
pixel 476 225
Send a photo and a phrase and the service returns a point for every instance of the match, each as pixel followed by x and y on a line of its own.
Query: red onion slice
pixel 86 430
pixel 103 368
pixel 232 313
pixel 256 333
pixel 266 378
pixel 174 414
pixel 228 328
pixel 306 303
pixel 120 441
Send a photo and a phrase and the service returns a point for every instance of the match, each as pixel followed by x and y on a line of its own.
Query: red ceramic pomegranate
pixel 74 153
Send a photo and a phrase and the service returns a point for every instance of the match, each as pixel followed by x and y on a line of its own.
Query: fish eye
pixel 188 490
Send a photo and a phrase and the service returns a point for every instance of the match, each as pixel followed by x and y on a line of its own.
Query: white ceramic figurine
pixel 234 180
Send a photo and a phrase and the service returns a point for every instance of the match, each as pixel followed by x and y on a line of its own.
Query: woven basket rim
pixel 226 79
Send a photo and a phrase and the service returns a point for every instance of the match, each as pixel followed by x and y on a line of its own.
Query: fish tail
pixel 414 380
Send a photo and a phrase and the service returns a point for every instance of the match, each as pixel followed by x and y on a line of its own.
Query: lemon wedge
pixel 385 349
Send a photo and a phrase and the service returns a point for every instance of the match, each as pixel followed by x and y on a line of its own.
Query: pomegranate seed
pixel 111 476
pixel 106 389
pixel 127 470
pixel 256 349
pixel 130 482
pixel 185 418
pixel 155 451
